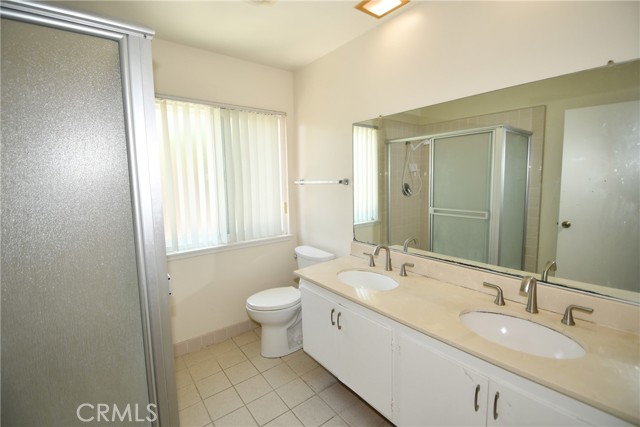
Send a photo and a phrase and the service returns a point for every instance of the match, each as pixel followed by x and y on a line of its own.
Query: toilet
pixel 278 310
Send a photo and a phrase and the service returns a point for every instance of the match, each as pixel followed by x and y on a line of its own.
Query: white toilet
pixel 278 309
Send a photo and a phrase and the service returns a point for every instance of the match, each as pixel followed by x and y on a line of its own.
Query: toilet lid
pixel 274 298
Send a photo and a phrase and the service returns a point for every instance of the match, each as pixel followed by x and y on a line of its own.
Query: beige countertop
pixel 607 377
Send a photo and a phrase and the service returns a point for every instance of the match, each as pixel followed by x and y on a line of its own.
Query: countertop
pixel 607 377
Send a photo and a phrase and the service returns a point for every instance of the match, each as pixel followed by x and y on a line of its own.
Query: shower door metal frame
pixel 139 117
pixel 496 206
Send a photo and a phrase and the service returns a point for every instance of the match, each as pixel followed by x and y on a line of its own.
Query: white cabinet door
pixel 434 390
pixel 351 344
pixel 319 331
pixel 367 356
pixel 510 406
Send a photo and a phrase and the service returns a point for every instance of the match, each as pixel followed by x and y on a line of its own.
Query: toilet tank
pixel 308 255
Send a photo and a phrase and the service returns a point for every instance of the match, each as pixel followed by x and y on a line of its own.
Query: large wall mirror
pixel 539 179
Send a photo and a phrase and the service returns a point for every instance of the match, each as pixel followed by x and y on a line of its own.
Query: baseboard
pixel 213 337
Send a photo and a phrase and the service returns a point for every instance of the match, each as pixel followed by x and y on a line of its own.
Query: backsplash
pixel 607 312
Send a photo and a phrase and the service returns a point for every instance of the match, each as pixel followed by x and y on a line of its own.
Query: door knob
pixel 566 224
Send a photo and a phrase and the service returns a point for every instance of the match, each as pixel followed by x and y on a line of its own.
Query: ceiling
pixel 286 34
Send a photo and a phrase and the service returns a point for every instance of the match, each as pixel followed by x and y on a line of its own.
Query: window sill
pixel 229 247
pixel 366 224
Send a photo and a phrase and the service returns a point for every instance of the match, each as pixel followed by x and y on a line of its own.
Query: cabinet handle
pixel 338 318
pixel 475 399
pixel 333 310
pixel 495 405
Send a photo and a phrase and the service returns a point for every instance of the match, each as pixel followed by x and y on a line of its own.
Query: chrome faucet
pixel 387 262
pixel 405 247
pixel 529 286
pixel 551 265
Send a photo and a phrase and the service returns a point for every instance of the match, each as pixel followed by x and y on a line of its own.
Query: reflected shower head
pixel 406 189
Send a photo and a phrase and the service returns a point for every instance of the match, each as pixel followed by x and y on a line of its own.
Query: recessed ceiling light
pixel 380 8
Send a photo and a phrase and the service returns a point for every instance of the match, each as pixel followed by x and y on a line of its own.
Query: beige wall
pixel 209 291
pixel 435 52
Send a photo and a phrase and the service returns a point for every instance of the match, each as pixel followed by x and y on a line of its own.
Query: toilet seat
pixel 274 299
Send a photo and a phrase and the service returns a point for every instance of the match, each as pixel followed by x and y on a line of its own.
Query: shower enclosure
pixel 86 338
pixel 467 192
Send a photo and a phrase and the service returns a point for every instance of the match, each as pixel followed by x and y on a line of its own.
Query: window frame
pixel 284 216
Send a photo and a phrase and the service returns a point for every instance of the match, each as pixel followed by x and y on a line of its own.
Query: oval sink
pixel 522 335
pixel 367 280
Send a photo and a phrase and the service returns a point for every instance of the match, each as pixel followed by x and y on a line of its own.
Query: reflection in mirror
pixel 513 180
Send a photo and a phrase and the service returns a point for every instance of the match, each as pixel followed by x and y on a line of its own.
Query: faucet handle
pixel 567 319
pixel 499 298
pixel 371 261
pixel 403 268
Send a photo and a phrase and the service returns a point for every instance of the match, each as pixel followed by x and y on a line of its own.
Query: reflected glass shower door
pixel 461 195
pixel 71 311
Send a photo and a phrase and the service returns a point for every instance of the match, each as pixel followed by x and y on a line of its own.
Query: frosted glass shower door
pixel 460 195
pixel 77 279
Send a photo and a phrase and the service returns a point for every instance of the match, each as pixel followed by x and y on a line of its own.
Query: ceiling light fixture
pixel 380 8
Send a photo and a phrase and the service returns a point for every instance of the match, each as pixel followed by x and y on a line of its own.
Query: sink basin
pixel 367 280
pixel 522 335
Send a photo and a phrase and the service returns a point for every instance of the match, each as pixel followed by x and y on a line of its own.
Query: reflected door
pixel 599 229
pixel 460 196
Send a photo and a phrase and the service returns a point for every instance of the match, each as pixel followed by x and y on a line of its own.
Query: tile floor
pixel 230 384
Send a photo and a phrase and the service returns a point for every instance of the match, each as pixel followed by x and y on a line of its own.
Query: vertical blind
pixel 365 174
pixel 222 174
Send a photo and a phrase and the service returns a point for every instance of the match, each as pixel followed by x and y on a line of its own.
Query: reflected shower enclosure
pixel 462 194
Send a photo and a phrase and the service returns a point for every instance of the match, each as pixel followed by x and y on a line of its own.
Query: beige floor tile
pixel 196 357
pixel 183 378
pixel 230 358
pixel 253 388
pixel 301 364
pixel 319 379
pixel 213 384
pixel 336 422
pixel 313 412
pixel 179 363
pixel 264 364
pixel 339 397
pixel 246 338
pixel 222 347
pixel 267 408
pixel 204 369
pixel 295 392
pixel 195 415
pixel 361 414
pixel 251 350
pixel 223 403
pixel 288 419
pixel 279 375
pixel 241 372
pixel 292 355
pixel 238 418
pixel 187 396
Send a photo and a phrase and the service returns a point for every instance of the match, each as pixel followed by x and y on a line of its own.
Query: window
pixel 365 174
pixel 223 174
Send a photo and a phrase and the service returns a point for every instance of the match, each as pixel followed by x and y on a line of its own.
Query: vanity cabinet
pixel 349 342
pixel 438 385
pixel 415 380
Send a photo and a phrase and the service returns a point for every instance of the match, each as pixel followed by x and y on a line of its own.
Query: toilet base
pixel 278 341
